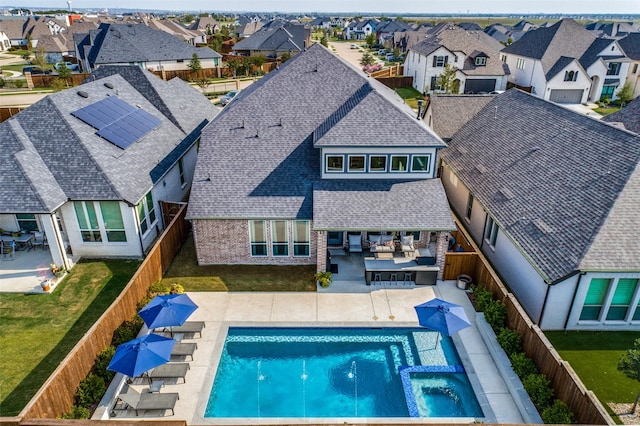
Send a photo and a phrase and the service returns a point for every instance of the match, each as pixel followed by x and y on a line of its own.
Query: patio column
pixel 321 254
pixel 442 243
pixel 50 229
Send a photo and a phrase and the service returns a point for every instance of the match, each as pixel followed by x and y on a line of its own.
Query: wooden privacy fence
pixel 8 112
pixel 56 396
pixel 567 385
pixel 391 71
pixel 396 82
pixel 46 80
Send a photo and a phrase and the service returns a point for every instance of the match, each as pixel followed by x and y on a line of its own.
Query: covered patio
pixel 24 272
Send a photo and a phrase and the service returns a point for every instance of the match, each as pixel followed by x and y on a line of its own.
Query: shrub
pixel 176 288
pixel 558 413
pixel 127 331
pixel 483 298
pixel 19 83
pixel 539 390
pixel 142 303
pixel 324 278
pixel 522 365
pixel 77 413
pixel 496 315
pixel 158 288
pixel 90 390
pixel 102 362
pixel 510 341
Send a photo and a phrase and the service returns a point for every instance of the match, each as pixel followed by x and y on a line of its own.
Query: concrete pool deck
pixel 344 304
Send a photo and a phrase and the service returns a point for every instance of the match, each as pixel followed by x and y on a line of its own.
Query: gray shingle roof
pixel 275 38
pixel 373 205
pixel 257 158
pixel 591 54
pixel 125 43
pixel 76 164
pixel 631 45
pixel 629 116
pixel 562 171
pixel 451 112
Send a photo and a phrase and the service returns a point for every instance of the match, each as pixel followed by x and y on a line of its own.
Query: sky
pixel 404 7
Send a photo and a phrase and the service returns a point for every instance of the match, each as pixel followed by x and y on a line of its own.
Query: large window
pixel 614 68
pixel 622 299
pixel 27 221
pixel 301 238
pixel 570 75
pixel 279 238
pixel 420 163
pixel 335 163
pixel 112 220
pixel 146 213
pixel 491 232
pixel 87 221
pixel 378 163
pixel 399 163
pixel 356 163
pixel 520 63
pixel 258 237
pixel 595 299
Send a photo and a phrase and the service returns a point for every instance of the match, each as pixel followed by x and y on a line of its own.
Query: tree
pixel 203 83
pixel 625 94
pixel 235 64
pixel 447 80
pixel 367 59
pixel 188 18
pixel 629 365
pixel 324 42
pixel 371 40
pixel 64 72
pixel 285 57
pixel 40 58
pixel 194 63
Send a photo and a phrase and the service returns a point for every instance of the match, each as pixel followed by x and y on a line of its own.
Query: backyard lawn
pixel 38 330
pixel 185 271
pixel 594 356
pixel 410 96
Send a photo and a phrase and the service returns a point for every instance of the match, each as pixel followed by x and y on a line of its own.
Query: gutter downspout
pixel 135 214
pixel 573 299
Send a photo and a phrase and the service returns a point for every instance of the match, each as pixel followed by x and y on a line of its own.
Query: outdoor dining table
pixel 23 241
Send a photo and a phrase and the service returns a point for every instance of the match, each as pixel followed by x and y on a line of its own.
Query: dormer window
pixel 481 61
pixel 570 75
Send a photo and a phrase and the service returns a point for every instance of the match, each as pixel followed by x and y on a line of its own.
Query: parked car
pixel 35 70
pixel 225 99
pixel 70 65
pixel 354 46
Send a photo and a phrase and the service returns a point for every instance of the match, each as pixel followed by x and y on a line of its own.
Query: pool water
pixel 340 372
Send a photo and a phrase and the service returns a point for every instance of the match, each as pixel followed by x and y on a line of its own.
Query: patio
pixel 25 271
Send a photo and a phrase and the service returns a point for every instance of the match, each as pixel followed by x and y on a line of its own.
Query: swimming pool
pixel 340 372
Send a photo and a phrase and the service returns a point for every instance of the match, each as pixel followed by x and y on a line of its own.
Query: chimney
pixel 419 109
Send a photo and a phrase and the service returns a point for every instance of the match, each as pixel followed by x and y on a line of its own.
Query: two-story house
pixel 309 154
pixel 359 29
pixel 550 197
pixel 473 54
pixel 631 47
pixel 565 63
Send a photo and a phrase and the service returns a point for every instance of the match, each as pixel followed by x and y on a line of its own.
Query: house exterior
pixel 550 197
pixel 474 54
pixel 631 47
pixel 22 30
pixel 61 45
pixel 385 30
pixel 138 44
pixel 565 63
pixel 176 29
pixel 359 29
pixel 71 166
pixel 5 42
pixel 274 40
pixel 311 153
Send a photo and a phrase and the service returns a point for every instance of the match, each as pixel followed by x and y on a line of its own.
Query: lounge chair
pixel 184 349
pixel 140 401
pixel 189 327
pixel 172 370
pixel 355 243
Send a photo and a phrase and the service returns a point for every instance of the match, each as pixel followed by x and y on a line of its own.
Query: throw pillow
pixel 374 239
pixel 407 240
pixel 374 245
pixel 388 243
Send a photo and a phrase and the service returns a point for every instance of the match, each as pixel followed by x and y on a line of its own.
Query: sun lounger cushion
pixel 194 327
pixel 172 370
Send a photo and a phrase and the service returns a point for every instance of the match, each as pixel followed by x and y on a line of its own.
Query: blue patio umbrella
pixel 142 354
pixel 168 310
pixel 440 315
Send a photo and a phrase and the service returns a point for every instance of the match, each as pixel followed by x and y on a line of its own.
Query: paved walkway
pixel 343 304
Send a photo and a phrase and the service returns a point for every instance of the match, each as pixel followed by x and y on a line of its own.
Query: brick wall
pixel 223 242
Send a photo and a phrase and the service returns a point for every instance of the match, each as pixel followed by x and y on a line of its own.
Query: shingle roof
pixel 629 116
pixel 550 178
pixel 275 38
pixel 631 45
pixel 257 158
pixel 591 54
pixel 347 204
pixel 451 112
pixel 125 43
pixel 73 162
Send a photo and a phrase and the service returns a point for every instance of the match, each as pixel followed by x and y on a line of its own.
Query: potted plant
pixel 324 278
pixel 46 285
pixel 58 271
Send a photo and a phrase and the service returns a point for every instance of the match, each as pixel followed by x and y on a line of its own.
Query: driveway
pixel 343 49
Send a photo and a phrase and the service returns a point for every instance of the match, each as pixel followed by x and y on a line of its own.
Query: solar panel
pixel 117 121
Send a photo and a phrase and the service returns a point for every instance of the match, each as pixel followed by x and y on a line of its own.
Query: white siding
pixel 558 304
pixel 583 82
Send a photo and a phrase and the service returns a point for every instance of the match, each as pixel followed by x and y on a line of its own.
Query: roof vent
pixel 534 149
pixel 83 94
pixel 481 168
pixel 507 193
pixel 108 85
pixel 542 226
pixel 462 150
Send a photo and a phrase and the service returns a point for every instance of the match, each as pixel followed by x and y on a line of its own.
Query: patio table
pixel 424 274
pixel 23 241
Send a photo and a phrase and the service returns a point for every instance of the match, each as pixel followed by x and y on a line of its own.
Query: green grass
pixel 185 271
pixel 594 356
pixel 16 67
pixel 410 96
pixel 607 110
pixel 38 330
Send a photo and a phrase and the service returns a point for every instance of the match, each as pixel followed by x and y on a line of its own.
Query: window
pixel 27 221
pixel 420 163
pixel 595 299
pixel 416 235
pixel 335 163
pixel 378 163
pixel 635 68
pixel 87 221
pixel 614 68
pixel 279 238
pixel 607 92
pixel 622 299
pixel 112 220
pixel 503 58
pixel 469 207
pixel 146 213
pixel 440 61
pixel 481 61
pixel 301 238
pixel 258 237
pixel 399 163
pixel 520 64
pixel 491 232
pixel 570 75
pixel 356 163
pixel 183 181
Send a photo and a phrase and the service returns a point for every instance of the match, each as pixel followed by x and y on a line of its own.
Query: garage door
pixel 566 96
pixel 485 85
